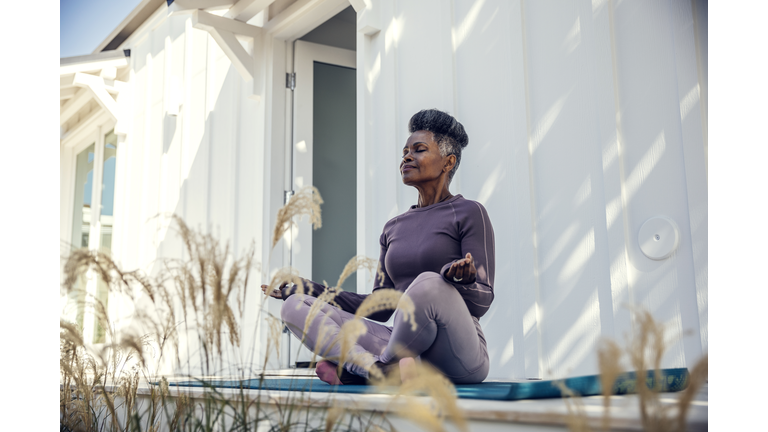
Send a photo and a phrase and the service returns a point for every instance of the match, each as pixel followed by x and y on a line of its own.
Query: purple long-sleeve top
pixel 431 239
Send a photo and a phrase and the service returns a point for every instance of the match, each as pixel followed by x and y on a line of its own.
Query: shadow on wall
pixel 594 172
pixel 592 183
pixel 200 168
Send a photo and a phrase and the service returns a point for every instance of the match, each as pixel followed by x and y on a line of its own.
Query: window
pixel 92 220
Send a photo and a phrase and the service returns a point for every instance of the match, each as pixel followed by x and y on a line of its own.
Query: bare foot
pixel 407 369
pixel 326 371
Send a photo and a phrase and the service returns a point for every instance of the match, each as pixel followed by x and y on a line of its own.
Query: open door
pixel 324 156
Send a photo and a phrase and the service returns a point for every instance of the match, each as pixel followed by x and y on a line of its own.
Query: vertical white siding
pixel 204 164
pixel 584 121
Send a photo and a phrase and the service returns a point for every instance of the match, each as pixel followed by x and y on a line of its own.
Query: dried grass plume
pixel 306 202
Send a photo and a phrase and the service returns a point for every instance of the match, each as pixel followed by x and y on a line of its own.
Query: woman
pixel 440 253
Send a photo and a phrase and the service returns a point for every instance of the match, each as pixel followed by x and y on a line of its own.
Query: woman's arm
pixel 477 239
pixel 347 301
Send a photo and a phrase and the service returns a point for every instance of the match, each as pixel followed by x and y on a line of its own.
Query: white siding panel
pixel 388 126
pixel 170 159
pixel 221 146
pixel 488 166
pixel 564 158
pixel 424 70
pixel 196 184
pixel 689 93
pixel 599 44
pixel 153 147
pixel 248 214
pixel 135 172
pixel 204 164
pixel 274 179
pixel 577 138
pixel 654 167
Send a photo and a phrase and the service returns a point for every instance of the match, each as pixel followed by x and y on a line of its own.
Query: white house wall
pixel 204 164
pixel 585 120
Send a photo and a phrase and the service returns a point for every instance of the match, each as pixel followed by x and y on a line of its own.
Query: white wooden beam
pixel 359 5
pixel 302 16
pixel 223 31
pixel 175 9
pixel 207 21
pixel 68 92
pixel 244 10
pixel 66 80
pixel 93 62
pixel 83 127
pixel 98 89
pixel 109 72
pixel 82 97
pixel 241 60
pixel 202 4
pixel 368 21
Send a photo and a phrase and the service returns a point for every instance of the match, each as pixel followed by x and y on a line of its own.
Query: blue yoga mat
pixel 672 380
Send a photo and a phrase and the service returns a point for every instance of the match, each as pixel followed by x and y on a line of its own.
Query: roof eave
pixel 94 62
pixel 138 15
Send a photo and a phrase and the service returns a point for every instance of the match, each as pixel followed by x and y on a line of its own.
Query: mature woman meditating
pixel 440 253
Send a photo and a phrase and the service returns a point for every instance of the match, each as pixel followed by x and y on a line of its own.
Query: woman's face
pixel 422 161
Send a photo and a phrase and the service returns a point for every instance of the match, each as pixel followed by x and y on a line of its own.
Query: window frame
pixel 73 147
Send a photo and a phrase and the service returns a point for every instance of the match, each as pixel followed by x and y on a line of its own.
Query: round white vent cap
pixel 658 237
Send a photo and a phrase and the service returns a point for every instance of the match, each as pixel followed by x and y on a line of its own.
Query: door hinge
pixel 287 196
pixel 290 80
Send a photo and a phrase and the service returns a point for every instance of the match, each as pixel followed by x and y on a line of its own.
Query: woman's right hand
pixel 277 293
pixel 463 270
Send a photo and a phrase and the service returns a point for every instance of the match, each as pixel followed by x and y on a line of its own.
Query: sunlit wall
pixel 586 119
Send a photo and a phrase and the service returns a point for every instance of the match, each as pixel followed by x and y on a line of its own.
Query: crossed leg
pixel 446 335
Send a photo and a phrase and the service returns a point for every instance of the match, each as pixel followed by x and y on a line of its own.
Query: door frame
pixel 306 54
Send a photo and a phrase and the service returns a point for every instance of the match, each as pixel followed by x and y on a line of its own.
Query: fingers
pixel 463 269
pixel 277 293
pixel 458 269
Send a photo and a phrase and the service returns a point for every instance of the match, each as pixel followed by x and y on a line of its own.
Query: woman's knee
pixel 291 310
pixel 427 287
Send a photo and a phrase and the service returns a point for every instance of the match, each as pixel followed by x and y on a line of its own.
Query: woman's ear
pixel 449 162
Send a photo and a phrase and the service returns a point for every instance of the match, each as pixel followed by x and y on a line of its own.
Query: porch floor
pixel 541 414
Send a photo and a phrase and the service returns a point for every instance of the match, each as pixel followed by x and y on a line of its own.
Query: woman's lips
pixel 407 167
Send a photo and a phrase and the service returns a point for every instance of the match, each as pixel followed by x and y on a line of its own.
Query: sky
pixel 84 24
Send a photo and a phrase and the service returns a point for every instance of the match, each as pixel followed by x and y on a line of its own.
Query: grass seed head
pixel 286 275
pixel 306 202
pixel 348 335
pixel 385 299
pixel 431 382
pixel 326 297
pixel 576 419
pixel 360 262
pixel 696 378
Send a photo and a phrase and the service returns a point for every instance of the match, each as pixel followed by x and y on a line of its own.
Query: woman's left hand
pixel 463 270
pixel 277 293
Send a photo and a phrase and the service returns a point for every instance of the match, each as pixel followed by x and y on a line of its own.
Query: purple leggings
pixel 446 335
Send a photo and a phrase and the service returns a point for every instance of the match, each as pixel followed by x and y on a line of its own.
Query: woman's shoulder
pixel 467 208
pixel 389 225
pixel 465 203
